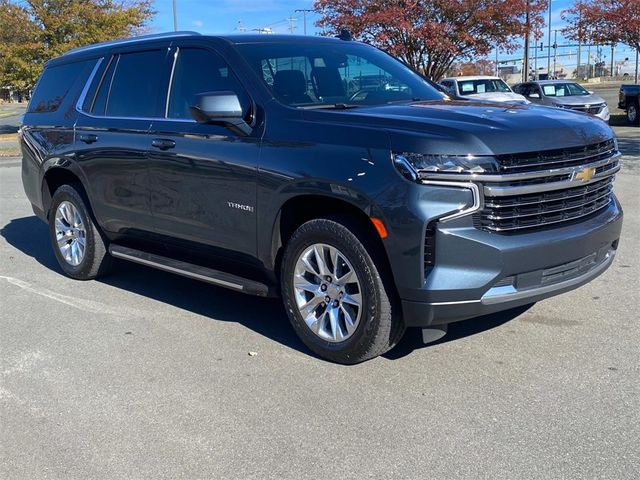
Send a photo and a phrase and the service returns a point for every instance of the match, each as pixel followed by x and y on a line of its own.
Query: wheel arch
pixel 304 207
pixel 53 179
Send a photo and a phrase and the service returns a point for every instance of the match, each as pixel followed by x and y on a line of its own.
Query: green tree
pixel 34 31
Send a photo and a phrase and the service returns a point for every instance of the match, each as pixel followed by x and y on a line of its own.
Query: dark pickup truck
pixel 263 164
pixel 628 100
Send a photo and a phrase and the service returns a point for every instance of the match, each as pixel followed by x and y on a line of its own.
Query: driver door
pixel 203 177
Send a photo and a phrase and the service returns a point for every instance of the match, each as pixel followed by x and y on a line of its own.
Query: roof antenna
pixel 345 34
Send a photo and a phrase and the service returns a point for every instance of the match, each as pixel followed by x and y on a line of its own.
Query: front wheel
pixel 334 294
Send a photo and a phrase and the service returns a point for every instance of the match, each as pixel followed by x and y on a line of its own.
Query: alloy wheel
pixel 70 233
pixel 327 292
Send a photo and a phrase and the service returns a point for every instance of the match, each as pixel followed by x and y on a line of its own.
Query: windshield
pixel 345 73
pixel 485 85
pixel 563 90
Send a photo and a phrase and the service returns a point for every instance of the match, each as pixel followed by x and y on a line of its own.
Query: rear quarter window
pixel 136 84
pixel 54 86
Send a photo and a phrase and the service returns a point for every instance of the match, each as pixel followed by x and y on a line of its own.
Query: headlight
pixel 435 163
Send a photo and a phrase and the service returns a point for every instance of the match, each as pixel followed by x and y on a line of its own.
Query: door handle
pixel 163 143
pixel 87 138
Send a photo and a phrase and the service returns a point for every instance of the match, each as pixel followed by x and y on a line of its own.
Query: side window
pixel 54 85
pixel 197 71
pixel 135 85
pixel 98 104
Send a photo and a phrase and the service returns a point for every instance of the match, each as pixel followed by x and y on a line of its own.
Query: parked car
pixel 493 89
pixel 628 101
pixel 564 94
pixel 220 158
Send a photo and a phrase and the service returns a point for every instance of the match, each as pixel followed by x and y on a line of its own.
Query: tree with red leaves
pixel 429 35
pixel 604 21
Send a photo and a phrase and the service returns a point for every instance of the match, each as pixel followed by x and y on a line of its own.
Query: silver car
pixel 564 94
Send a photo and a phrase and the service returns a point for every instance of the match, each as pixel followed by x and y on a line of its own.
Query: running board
pixel 197 272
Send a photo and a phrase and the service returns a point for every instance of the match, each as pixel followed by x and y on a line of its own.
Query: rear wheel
pixel 334 295
pixel 632 113
pixel 77 243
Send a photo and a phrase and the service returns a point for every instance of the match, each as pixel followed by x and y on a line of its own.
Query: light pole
pixel 175 17
pixel 555 50
pixel 549 43
pixel 525 66
pixel 304 16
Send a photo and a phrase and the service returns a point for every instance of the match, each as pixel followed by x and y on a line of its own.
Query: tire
pixel 633 115
pixel 379 324
pixel 70 224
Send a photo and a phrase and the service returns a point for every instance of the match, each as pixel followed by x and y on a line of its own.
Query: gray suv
pixel 320 170
pixel 564 94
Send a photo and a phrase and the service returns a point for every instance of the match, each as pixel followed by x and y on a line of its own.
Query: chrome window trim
pixel 167 99
pixel 87 85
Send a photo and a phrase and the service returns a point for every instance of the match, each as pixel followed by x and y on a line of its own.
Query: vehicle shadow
pixel 412 339
pixel 264 316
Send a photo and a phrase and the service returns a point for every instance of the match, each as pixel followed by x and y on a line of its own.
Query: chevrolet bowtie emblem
pixel 585 174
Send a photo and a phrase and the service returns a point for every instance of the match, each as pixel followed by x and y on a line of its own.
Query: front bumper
pixel 479 273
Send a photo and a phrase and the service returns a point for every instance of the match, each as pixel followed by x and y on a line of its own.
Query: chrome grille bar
pixel 525 201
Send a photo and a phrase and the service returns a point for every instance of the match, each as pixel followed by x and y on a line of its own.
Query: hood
pixel 590 99
pixel 499 97
pixel 468 127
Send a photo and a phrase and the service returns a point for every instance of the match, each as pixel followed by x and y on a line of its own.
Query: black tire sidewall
pixel 349 350
pixel 70 194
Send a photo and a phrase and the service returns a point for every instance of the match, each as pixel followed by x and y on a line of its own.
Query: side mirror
pixel 534 95
pixel 590 92
pixel 220 108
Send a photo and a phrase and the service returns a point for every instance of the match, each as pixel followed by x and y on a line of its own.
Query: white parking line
pixel 80 304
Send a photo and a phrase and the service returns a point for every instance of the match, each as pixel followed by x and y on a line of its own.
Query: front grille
pixel 569 270
pixel 593 109
pixel 560 158
pixel 538 210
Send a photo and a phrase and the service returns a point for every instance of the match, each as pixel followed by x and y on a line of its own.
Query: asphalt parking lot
pixel 148 375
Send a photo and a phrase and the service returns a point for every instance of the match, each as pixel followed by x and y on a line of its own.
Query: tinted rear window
pixel 54 86
pixel 135 84
pixel 99 104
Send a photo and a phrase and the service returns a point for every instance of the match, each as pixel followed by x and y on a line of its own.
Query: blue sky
pixel 224 16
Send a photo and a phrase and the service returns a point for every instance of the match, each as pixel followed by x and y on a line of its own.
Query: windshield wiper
pixel 334 106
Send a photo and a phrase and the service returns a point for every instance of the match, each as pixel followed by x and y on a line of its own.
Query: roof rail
pixel 124 41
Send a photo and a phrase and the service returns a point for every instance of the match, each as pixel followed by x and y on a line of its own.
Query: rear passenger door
pixel 112 136
pixel 203 177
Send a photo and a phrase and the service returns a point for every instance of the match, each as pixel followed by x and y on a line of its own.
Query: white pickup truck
pixel 493 89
